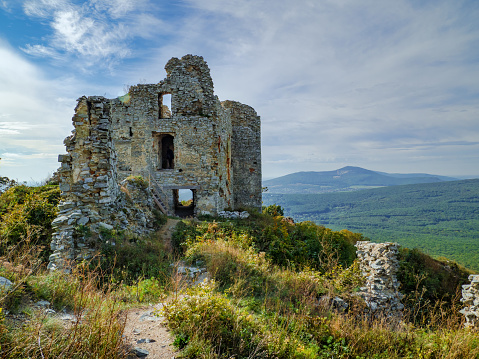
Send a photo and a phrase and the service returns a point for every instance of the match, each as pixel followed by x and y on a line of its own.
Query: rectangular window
pixel 164 105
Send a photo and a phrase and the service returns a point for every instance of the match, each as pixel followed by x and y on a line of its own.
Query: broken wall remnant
pixel 470 298
pixel 246 154
pixel 200 144
pixel 379 265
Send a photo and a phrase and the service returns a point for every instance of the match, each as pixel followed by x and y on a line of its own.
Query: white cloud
pixel 5 5
pixel 41 51
pixel 12 128
pixel 33 122
pixel 88 37
pixel 93 33
pixel 349 79
pixel 44 8
pixel 336 82
pixel 119 8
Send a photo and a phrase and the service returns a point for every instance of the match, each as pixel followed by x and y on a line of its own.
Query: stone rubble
pixel 193 275
pixel 233 215
pixel 338 304
pixel 379 265
pixel 470 298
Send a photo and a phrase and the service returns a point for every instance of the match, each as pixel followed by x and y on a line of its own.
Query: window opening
pixel 184 202
pixel 164 105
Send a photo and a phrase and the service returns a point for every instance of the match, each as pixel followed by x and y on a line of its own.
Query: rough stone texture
pixel 216 154
pixel 246 152
pixel 379 264
pixel 5 285
pixel 233 215
pixel 217 149
pixel 470 298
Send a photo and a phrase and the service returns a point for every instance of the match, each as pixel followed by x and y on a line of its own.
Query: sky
pixel 388 85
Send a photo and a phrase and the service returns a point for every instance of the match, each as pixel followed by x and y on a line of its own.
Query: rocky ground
pixel 147 334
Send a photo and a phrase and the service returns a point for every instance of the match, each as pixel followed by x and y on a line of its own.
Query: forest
pixel 441 219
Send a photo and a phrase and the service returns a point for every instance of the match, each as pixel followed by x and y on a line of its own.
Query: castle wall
pixel 200 127
pixel 246 155
pixel 91 197
pixel 470 298
pixel 216 150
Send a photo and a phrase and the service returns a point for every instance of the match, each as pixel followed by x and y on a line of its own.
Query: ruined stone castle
pixel 196 143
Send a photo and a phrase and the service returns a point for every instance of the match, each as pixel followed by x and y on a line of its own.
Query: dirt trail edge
pixel 146 331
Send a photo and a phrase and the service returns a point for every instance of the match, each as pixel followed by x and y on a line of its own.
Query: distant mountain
pixel 419 175
pixel 345 179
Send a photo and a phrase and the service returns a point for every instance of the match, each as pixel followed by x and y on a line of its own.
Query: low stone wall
pixel 379 264
pixel 470 298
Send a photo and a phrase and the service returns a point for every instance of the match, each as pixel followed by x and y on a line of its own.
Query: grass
pixel 270 293
pixel 256 309
pixel 95 332
pixel 95 295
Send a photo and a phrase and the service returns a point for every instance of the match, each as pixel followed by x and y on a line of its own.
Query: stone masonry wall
pixel 379 264
pixel 246 155
pixel 217 155
pixel 200 128
pixel 470 298
pixel 91 198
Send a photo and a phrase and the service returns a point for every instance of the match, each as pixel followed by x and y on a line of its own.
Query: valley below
pixel 441 218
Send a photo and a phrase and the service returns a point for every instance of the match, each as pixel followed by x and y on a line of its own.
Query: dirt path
pixel 166 232
pixel 144 330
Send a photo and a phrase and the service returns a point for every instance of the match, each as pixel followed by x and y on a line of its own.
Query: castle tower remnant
pixel 176 135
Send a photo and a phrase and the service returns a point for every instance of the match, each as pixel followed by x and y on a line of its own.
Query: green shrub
pixel 138 181
pixel 273 210
pixel 28 212
pixel 184 232
pixel 128 259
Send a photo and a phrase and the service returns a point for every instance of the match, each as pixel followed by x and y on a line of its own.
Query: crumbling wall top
pixel 190 80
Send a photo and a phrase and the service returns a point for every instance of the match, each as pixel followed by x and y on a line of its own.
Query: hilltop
pixel 271 291
pixel 345 179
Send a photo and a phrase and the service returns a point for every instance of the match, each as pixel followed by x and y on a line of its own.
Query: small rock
pixel 105 226
pixel 5 284
pixel 42 304
pixel 67 317
pixel 140 353
pixel 146 340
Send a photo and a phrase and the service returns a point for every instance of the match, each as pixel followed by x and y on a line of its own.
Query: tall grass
pixel 255 309
pixel 95 329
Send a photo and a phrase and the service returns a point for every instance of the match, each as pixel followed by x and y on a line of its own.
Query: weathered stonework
pixel 198 144
pixel 379 265
pixel 470 298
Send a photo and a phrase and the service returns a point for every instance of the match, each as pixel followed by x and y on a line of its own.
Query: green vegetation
pixel 138 180
pixel 27 212
pixel 268 295
pixel 127 271
pixel 264 304
pixel 441 219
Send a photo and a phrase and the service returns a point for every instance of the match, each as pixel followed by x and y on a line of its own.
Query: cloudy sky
pixel 389 85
